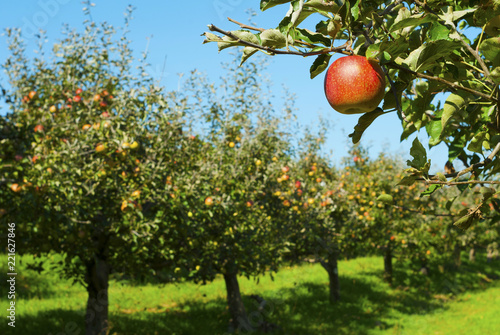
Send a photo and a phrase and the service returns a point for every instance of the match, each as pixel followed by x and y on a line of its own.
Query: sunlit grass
pixel 467 301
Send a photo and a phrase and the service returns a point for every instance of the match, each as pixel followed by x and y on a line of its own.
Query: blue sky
pixel 173 29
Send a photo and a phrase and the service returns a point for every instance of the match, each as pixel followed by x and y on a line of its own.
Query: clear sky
pixel 173 29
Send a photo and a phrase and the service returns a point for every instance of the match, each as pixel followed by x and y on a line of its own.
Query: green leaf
pixel 355 10
pixel 419 155
pixel 434 129
pixel 326 6
pixel 424 57
pixel 373 51
pixel 320 64
pixel 454 103
pixel 273 38
pixel 413 21
pixel 491 50
pixel 363 123
pixel 266 4
pixel 487 193
pixel 495 75
pixel 476 145
pixel 421 87
pixel 439 32
pixel 431 189
pixel 312 37
pixel 408 181
pixel 450 16
pixel 385 198
pixel 464 222
pixel 244 35
pixel 247 53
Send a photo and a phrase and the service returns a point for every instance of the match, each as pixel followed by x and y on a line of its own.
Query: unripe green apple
pixel 354 84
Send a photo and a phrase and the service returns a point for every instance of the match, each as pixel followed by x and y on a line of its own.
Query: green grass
pixel 462 302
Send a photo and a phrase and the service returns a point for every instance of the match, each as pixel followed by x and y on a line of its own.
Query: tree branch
pixel 469 182
pixel 340 49
pixel 433 179
pixel 448 83
pixel 245 26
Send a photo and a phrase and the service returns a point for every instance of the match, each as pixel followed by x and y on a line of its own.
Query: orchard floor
pixel 456 302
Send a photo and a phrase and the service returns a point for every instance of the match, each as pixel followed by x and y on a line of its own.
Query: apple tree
pixel 429 51
pixel 80 156
pixel 223 206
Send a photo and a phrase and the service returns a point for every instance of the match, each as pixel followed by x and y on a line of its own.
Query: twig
pixel 480 164
pixel 433 179
pixel 245 26
pixel 448 83
pixel 469 182
pixel 390 7
pixel 340 49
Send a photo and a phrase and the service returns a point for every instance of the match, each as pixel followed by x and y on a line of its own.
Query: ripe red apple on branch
pixel 354 84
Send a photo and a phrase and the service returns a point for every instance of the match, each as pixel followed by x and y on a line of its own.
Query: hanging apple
pixel 354 84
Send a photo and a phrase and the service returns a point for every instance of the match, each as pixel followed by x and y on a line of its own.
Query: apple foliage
pixel 428 50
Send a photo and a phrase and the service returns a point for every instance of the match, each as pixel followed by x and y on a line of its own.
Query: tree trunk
pixel 457 251
pixel 388 265
pixel 239 318
pixel 331 267
pixel 472 255
pixel 97 280
pixel 96 317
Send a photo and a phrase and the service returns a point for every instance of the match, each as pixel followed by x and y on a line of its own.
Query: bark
pixel 388 265
pixel 97 281
pixel 331 267
pixel 239 319
pixel 472 255
pixel 96 317
pixel 457 251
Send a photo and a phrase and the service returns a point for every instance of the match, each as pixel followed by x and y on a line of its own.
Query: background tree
pixel 81 156
pixel 223 207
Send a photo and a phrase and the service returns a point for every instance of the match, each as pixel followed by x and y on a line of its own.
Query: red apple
pixel 77 98
pixel 78 91
pixel 38 128
pixel 209 201
pixel 354 84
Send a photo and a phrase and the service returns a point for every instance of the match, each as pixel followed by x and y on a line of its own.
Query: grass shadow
pixel 366 304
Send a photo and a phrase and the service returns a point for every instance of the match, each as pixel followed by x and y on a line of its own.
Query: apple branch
pixel 468 182
pixel 272 51
pixel 433 179
pixel 448 83
pixel 245 26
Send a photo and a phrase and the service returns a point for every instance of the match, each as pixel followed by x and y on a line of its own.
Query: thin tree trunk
pixel 239 318
pixel 331 267
pixel 472 255
pixel 388 265
pixel 457 251
pixel 96 317
pixel 97 280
